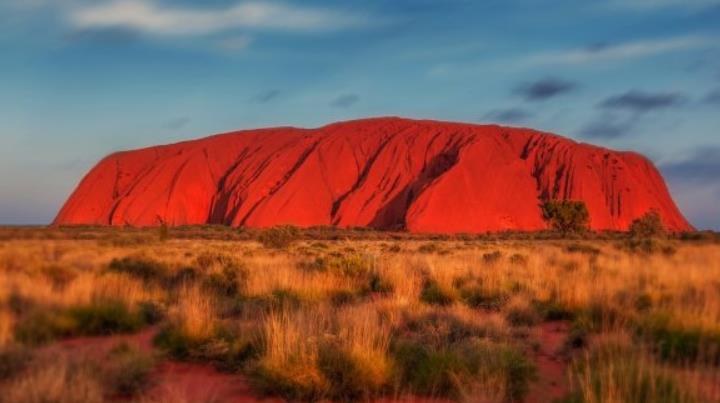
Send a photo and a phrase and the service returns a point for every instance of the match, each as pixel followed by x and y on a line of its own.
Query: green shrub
pixel 355 265
pixel 448 370
pixel 582 248
pixel 429 248
pixel 150 312
pixel 127 370
pixel 279 237
pixel 295 384
pixel 59 276
pixel 231 280
pixel 352 377
pixel 551 311
pixel 650 225
pixel 675 343
pixel 624 374
pixel 140 267
pixel 377 284
pixel 566 216
pixel 176 343
pixel 206 260
pixel 42 326
pixel 492 257
pixel 475 296
pixel 434 294
pixel 105 317
pixel 343 297
pixel 440 329
pixel 45 324
pixel 13 360
pixel 521 316
pixel 518 259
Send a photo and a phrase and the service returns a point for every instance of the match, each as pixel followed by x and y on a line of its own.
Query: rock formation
pixel 386 173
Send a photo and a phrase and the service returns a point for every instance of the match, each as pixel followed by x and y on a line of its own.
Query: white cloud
pixel 622 51
pixel 151 17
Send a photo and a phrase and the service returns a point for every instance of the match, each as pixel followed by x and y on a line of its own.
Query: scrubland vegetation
pixel 324 314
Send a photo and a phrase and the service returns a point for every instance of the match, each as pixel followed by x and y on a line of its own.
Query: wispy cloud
pixel 621 51
pixel 177 123
pixel 345 101
pixel 640 102
pixel 509 115
pixel 155 18
pixel 266 96
pixel 543 89
pixel 609 126
pixel 713 97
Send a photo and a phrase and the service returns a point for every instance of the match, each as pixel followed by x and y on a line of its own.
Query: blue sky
pixel 82 78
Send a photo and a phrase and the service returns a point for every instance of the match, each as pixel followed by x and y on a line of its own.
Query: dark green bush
pixel 45 324
pixel 377 284
pixel 582 248
pixel 231 280
pixel 105 317
pixel 675 343
pixel 448 370
pixel 13 360
pixel 279 237
pixel 650 225
pixel 127 370
pixel 350 379
pixel 566 216
pixel 492 257
pixel 140 267
pixel 434 294
pixel 475 296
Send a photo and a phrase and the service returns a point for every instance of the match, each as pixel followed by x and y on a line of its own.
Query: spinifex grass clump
pixel 101 317
pixel 619 372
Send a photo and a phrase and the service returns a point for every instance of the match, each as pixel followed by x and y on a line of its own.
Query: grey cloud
pixel 640 102
pixel 544 89
pixel 103 36
pixel 703 165
pixel 509 115
pixel 177 123
pixel 266 96
pixel 713 97
pixel 608 126
pixel 345 101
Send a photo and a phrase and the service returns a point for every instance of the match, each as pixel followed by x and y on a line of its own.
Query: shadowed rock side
pixel 387 173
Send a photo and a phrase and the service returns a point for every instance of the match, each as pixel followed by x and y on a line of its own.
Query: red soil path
pixel 387 173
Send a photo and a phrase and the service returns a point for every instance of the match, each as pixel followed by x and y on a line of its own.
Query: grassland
pixel 360 315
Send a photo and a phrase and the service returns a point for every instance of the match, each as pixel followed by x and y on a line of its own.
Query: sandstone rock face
pixel 386 173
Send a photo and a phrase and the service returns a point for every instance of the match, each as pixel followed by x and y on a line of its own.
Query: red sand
pixel 387 173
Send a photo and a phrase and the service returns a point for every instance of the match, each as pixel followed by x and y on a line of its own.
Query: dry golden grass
pixel 59 379
pixel 321 329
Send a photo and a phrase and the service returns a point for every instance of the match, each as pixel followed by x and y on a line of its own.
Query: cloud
pixel 161 19
pixel 266 96
pixel 544 89
pixel 234 43
pixel 713 97
pixel 702 165
pixel 177 123
pixel 613 52
pixel 510 115
pixel 640 102
pixel 608 126
pixel 345 101
pixel 103 36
